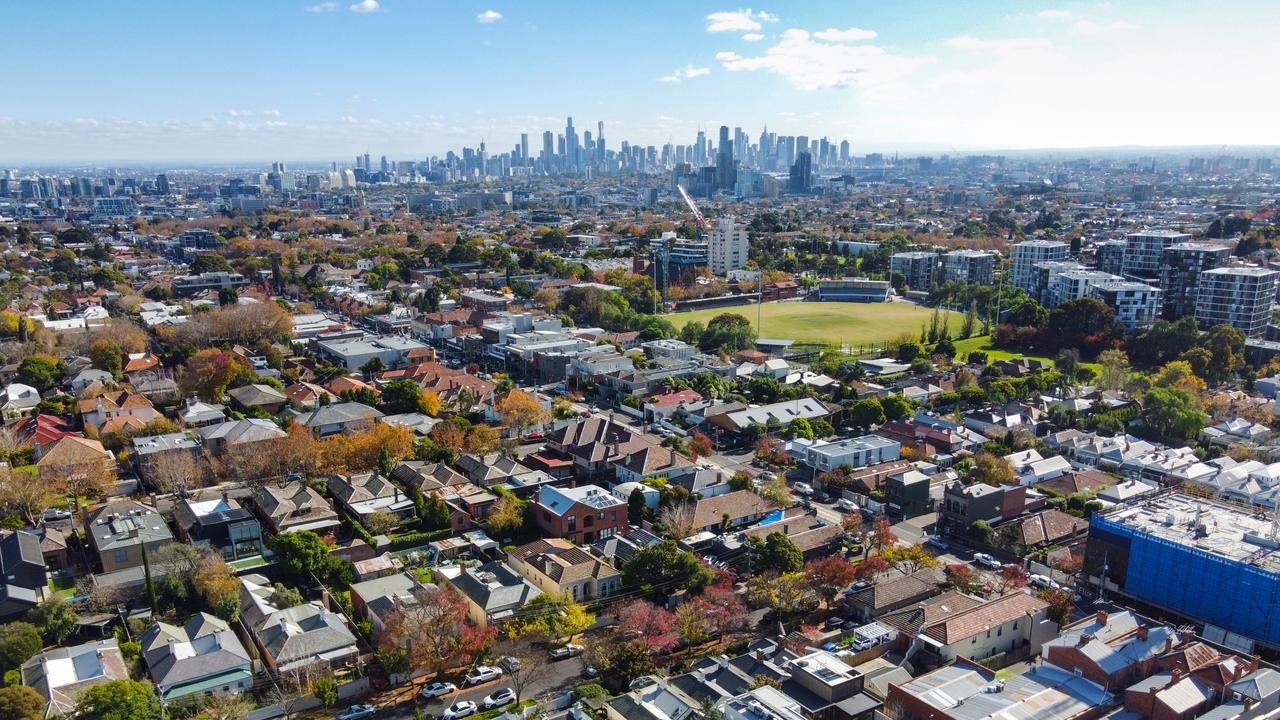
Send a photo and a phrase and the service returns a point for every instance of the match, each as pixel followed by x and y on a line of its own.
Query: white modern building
pixel 1144 251
pixel 1027 254
pixel 727 246
pixel 975 267
pixel 1237 296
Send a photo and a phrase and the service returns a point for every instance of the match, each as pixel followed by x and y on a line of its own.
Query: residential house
pixel 1051 528
pixel 220 524
pixel 363 494
pixel 293 637
pixel 558 567
pixel 157 455
pixel 41 431
pixel 650 461
pixel 866 479
pixel 592 444
pixel 374 600
pixel 1004 625
pixel 204 657
pixel 968 691
pixel 25 575
pixel 75 455
pixel 778 414
pixel 493 591
pixel 118 530
pixel 821 455
pixel 17 400
pixel 116 405
pixel 294 506
pixel 225 436
pixel 135 363
pixel 728 511
pixel 308 395
pixel 909 493
pixel 963 505
pixel 1031 467
pixel 814 538
pixel 1113 649
pixel 63 674
pixel 259 397
pixel 197 413
pixel 490 469
pixel 909 619
pixel 619 549
pixel 328 420
pixel 582 514
pixel 53 548
pixel 885 596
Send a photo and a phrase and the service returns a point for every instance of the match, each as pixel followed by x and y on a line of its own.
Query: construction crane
pixel 665 254
pixel 700 221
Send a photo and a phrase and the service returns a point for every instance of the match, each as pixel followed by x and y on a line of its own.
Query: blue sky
pixel 314 80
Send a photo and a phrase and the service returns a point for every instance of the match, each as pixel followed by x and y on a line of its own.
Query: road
pixel 556 677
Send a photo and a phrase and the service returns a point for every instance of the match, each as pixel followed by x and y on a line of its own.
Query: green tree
pixel 636 506
pixel 372 367
pixel 896 407
pixel 780 553
pixel 1172 415
pixel 799 428
pixel 992 469
pixel 118 700
pixel 283 596
pixel 326 691
pixel 908 351
pixel 1226 346
pixel 666 566
pixel 728 332
pixel 303 554
pixel 55 620
pixel 18 642
pixel 106 355
pixel 19 702
pixel 625 662
pixel 866 413
pixel 692 332
pixel 40 371
pixel 435 512
pixel 401 396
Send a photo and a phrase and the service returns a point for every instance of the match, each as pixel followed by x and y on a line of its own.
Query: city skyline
pixel 317 81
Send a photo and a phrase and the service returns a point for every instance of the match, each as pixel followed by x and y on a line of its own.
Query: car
pixel 460 709
pixel 505 696
pixel 835 623
pixel 358 712
pixel 803 488
pixel 510 664
pixel 482 674
pixel 846 505
pixel 937 542
pixel 987 561
pixel 438 690
pixel 535 436
pixel 56 514
pixel 1041 581
pixel 567 651
pixel 864 643
pixel 589 672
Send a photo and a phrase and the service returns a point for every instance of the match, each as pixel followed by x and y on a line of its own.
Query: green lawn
pixel 836 323
pixel 964 347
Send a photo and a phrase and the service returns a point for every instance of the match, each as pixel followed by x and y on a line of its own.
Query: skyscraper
pixel 570 146
pixel 548 150
pixel 801 173
pixel 600 141
pixel 524 148
pixel 726 173
pixel 700 149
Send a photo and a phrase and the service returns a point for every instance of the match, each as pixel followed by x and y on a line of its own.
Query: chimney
pixel 673 456
pixel 1177 674
pixel 1102 617
pixel 1084 639
pixel 1168 643
pixel 1142 633
pixel 760 656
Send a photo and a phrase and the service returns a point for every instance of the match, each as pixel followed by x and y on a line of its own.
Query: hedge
pixel 415 539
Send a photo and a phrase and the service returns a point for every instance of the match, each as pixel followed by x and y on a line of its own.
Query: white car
pixel 439 689
pixel 460 709
pixel 847 505
pixel 568 651
pixel 482 674
pixel 505 696
pixel 1041 581
pixel 56 514
pixel 358 712
pixel 803 488
pixel 987 561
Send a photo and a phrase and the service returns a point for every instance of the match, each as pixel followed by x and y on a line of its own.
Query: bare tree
pixel 678 519
pixel 296 684
pixel 25 494
pixel 531 665
pixel 177 472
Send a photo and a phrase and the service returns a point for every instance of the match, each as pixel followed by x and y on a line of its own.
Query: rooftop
pixel 1231 532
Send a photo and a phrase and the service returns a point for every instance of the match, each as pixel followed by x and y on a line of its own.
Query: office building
pixel 801 179
pixel 1178 553
pixel 1180 274
pixel 919 268
pixel 975 267
pixel 726 174
pixel 1143 251
pixel 1238 296
pixel 1027 254
pixel 727 244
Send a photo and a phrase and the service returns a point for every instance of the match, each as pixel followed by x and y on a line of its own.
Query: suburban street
pixel 554 678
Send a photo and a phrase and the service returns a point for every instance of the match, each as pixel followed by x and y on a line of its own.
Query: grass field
pixel 837 323
pixel 964 347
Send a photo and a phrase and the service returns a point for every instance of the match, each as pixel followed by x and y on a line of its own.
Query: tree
pixel 1115 370
pixel 19 702
pixel 779 553
pixel 1172 415
pixel 721 608
pixel 624 663
pixel 218 587
pixel 1177 374
pixel 434 631
pixel 829 576
pixel 866 413
pixel 106 355
pixel 381 523
pixel 18 642
pixel 1061 603
pixel 992 470
pixel 963 578
pixel 40 371
pixel 700 445
pixel 691 624
pixel 209 372
pixel 636 506
pixel 531 667
pixel 430 403
pixel 326 691
pixel 677 518
pixel 1013 577
pixel 177 473
pixel 521 410
pixel 283 596
pixel 895 407
pixel 435 512
pixel 870 568
pixel 506 516
pixel 373 367
pixel 574 620
pixel 55 620
pixel 882 536
pixel 646 623
pixel 787 593
pixel 224 707
pixel 118 700
pixel 481 439
pixel 775 490
pixel 27 495
pixel 302 555
pixel 667 567
pixel 727 332
pixel 799 428
pixel 1226 348
pixel 401 396
pixel 908 559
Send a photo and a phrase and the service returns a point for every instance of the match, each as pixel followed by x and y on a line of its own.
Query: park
pixel 834 323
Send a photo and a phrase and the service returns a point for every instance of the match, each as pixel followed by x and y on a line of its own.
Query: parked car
pixel 56 514
pixel 505 696
pixel 1041 581
pixel 482 674
pixel 565 652
pixel 846 505
pixel 987 561
pixel 864 643
pixel 803 488
pixel 937 542
pixel 589 672
pixel 358 712
pixel 460 709
pixel 835 623
pixel 437 690
pixel 510 664
pixel 535 436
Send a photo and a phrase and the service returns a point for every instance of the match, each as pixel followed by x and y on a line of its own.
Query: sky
pixel 295 80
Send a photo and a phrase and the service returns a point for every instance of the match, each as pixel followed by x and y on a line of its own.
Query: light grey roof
pixel 1259 684
pixel 125 524
pixel 495 587
pixel 61 674
pixel 242 431
pixel 205 647
pixel 254 395
pixel 339 413
pixel 382 594
pixel 303 633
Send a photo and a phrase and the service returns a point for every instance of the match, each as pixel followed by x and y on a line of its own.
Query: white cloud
pixel 738 20
pixel 811 65
pixel 685 73
pixel 853 34
pixel 365 6
pixel 968 43
pixel 271 113
pixel 1089 27
pixel 323 7
pixel 488 16
pixel 753 37
pixel 239 113
pixel 1052 14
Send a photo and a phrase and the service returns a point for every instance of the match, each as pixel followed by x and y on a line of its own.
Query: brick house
pixel 582 514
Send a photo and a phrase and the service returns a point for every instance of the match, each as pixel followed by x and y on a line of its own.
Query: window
pixel 122 555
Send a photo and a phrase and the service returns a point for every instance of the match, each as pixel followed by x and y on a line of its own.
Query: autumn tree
pixel 700 445
pixel 506 516
pixel 870 568
pixel 449 435
pixel 691 624
pixel 520 410
pixel 908 558
pixel 174 472
pixel 787 593
pixel 678 519
pixel 881 536
pixel 105 355
pixel 381 523
pixel 217 586
pixel 481 439
pixel 1013 577
pixel 963 578
pixel 829 576
pixel 429 402
pixel 531 668
pixel 209 372
pixel 653 626
pixel 992 469
pixel 435 631
pixel 26 495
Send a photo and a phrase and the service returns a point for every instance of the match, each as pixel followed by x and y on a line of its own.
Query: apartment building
pixel 919 268
pixel 1144 251
pixel 975 267
pixel 727 245
pixel 1237 296
pixel 1027 254
pixel 1180 270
